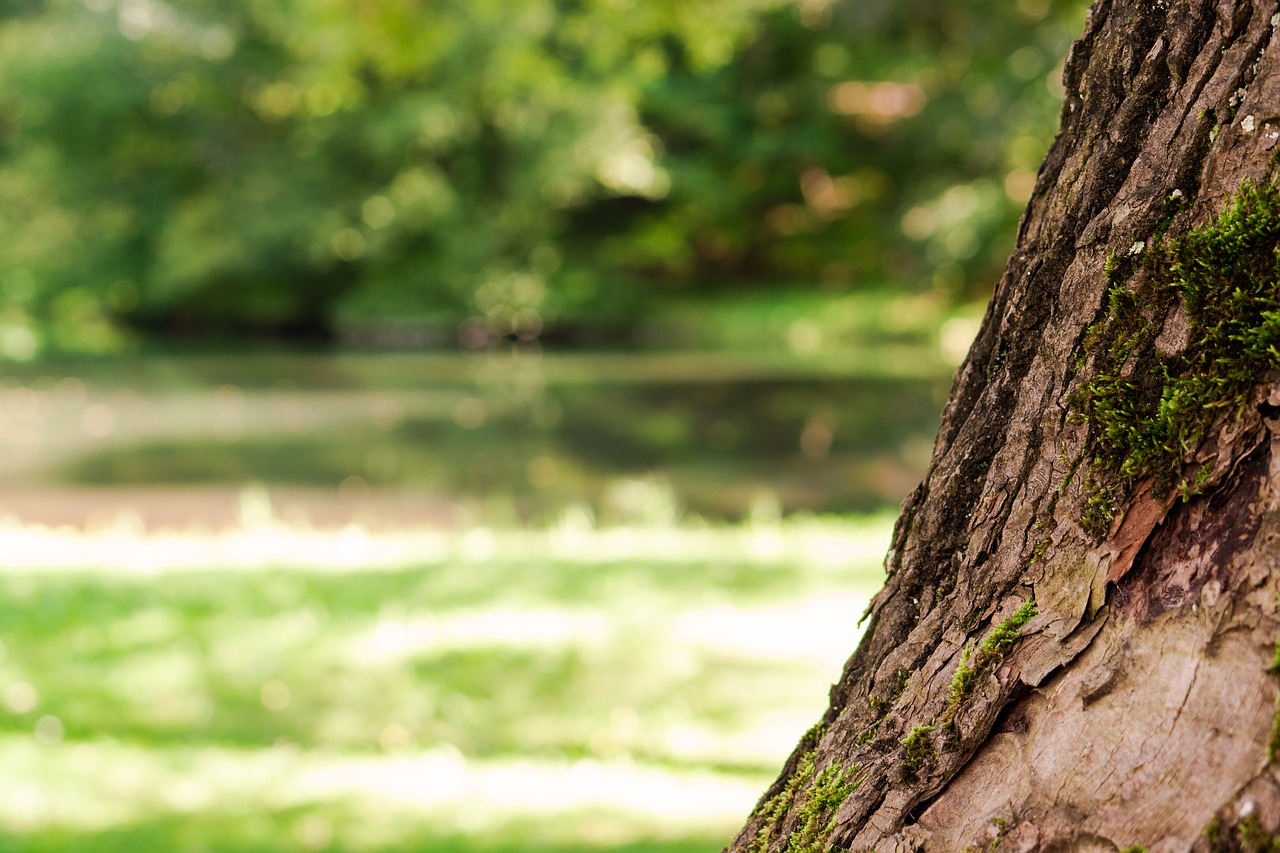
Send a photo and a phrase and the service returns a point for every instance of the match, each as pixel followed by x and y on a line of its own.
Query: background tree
pixel 325 169
pixel 1076 645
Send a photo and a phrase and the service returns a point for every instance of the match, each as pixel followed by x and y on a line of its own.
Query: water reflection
pixel 503 441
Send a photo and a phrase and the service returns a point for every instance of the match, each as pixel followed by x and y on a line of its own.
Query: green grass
pixel 535 699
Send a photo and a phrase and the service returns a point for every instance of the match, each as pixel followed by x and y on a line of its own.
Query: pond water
pixel 510 437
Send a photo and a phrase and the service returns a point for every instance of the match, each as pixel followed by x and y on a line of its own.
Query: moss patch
pixel 815 795
pixel 965 679
pixel 1148 410
pixel 1273 744
pixel 816 817
pixel 1004 635
pixel 809 740
pixel 919 750
pixel 990 651
pixel 1253 837
pixel 1247 835
pixel 1213 832
pixel 904 675
pixel 1001 827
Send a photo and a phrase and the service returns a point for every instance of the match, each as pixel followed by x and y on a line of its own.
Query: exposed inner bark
pixel 1136 707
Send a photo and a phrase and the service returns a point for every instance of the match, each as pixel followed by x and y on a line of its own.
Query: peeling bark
pixel 1136 707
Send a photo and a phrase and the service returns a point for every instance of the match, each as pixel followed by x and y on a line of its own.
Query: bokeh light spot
pixel 21 697
pixel 275 695
pixel 470 413
pixel 49 730
pixel 98 420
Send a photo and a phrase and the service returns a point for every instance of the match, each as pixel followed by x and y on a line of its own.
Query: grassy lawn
pixel 279 689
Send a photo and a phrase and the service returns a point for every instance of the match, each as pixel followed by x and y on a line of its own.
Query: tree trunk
pixel 1076 643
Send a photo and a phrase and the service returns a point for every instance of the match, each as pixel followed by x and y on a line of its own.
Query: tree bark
pixel 1074 647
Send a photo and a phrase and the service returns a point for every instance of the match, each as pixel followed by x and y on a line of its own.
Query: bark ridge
pixel 1125 700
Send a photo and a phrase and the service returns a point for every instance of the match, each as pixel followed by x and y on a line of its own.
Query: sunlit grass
pixel 275 687
pixel 371 799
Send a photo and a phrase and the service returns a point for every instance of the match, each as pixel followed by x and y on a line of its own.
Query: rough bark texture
pixel 1136 707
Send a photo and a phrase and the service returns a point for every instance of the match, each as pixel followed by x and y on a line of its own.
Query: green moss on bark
pixel 919 751
pixel 990 651
pixel 815 796
pixel 1003 636
pixel 1253 837
pixel 1149 405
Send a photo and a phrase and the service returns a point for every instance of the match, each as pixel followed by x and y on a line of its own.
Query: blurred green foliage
pixel 390 172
